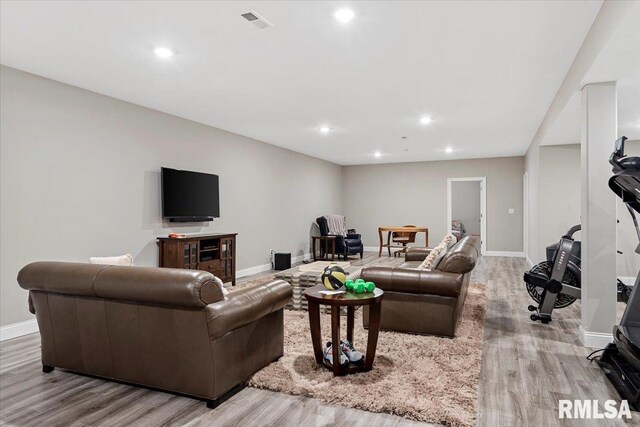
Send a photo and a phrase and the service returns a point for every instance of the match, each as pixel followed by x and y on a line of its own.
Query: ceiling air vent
pixel 257 20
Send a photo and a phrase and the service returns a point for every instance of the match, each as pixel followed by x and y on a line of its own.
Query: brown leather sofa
pixel 425 301
pixel 165 328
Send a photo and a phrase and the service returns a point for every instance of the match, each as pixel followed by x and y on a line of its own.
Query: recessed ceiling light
pixel 425 120
pixel 325 129
pixel 344 15
pixel 377 154
pixel 163 52
pixel 448 150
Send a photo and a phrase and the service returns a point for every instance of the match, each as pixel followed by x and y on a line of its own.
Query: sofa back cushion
pixel 461 258
pixel 149 285
pixel 162 286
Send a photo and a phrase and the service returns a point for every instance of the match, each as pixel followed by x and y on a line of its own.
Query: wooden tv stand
pixel 215 253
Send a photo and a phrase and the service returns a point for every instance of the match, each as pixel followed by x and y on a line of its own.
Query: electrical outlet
pixel 512 211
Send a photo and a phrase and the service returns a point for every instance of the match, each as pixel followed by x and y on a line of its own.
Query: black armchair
pixel 351 244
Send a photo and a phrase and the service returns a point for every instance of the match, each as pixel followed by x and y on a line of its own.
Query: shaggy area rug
pixel 424 378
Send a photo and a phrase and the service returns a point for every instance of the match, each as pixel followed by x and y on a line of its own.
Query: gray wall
pixel 534 250
pixel 560 203
pixel 559 191
pixel 465 205
pixel 416 193
pixel 80 177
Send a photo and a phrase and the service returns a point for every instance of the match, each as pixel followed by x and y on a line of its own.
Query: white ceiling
pixel 619 61
pixel 486 72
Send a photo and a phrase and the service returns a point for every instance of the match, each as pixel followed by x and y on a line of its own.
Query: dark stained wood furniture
pixel 390 230
pixel 401 238
pixel 323 253
pixel 215 253
pixel 350 301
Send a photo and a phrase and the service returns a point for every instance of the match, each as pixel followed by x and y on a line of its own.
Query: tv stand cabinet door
pixel 178 254
pixel 228 260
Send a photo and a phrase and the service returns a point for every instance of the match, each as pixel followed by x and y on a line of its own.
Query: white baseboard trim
pixel 266 267
pixel 371 248
pixel 529 262
pixel 19 329
pixel 594 340
pixel 505 253
pixel 253 270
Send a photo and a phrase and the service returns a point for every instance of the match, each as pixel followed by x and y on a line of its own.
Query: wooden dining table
pixel 390 230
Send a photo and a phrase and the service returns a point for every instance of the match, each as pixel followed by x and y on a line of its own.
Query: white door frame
pixel 525 215
pixel 483 207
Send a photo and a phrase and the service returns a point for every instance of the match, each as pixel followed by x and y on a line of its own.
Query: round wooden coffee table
pixel 350 301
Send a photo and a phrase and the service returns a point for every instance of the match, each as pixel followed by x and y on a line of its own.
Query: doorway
pixel 466 208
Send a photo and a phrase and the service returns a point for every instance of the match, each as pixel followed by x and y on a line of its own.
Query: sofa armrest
pixel 414 281
pixel 32 307
pixel 417 254
pixel 354 236
pixel 246 305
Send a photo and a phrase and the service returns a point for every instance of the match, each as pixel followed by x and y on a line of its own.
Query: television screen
pixel 189 195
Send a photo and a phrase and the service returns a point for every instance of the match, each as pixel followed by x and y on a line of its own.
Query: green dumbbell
pixel 359 287
pixel 369 286
pixel 349 285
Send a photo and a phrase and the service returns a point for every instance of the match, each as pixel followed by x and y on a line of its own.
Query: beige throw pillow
pixel 433 256
pixel 126 259
pixel 450 240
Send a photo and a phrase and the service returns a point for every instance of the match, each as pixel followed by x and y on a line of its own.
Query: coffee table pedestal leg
pixel 335 338
pixel 314 324
pixel 350 321
pixel 374 329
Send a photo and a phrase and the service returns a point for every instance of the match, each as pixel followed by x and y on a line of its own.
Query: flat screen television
pixel 189 196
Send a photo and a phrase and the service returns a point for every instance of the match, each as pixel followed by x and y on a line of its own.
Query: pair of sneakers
pixel 348 354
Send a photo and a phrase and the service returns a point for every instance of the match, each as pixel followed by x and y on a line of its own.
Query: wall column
pixel 598 208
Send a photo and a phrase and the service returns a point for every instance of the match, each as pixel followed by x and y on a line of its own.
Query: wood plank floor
pixel 526 368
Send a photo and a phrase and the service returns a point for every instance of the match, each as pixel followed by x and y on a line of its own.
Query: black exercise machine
pixel 620 360
pixel 555 283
